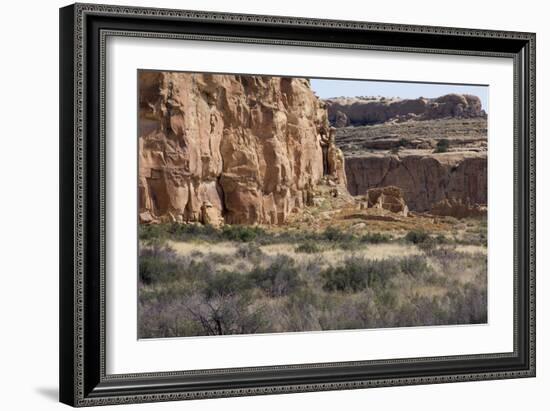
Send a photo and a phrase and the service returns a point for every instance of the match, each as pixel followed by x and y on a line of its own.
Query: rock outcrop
pixel 458 208
pixel 357 111
pixel 387 198
pixel 426 179
pixel 230 148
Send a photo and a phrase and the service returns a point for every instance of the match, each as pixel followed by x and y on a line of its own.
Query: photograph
pixel 276 204
pixel 287 200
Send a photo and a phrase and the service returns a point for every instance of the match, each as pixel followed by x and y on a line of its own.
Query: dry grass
pixel 272 283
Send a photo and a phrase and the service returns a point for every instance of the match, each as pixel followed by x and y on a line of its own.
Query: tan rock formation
pixel 242 149
pixel 458 208
pixel 355 111
pixel 387 198
pixel 425 179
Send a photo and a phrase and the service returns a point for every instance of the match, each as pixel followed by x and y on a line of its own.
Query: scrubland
pixel 198 280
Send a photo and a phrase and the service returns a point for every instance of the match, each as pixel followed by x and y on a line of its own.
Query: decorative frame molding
pixel 83 32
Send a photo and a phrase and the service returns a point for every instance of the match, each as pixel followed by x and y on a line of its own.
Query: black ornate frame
pixel 83 30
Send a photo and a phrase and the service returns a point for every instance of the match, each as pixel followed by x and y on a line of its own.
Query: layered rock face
pixel 387 198
pixel 343 112
pixel 426 179
pixel 229 148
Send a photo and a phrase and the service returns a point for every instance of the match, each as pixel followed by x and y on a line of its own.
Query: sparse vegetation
pixel 376 238
pixel 242 280
pixel 442 146
pixel 417 236
pixel 309 247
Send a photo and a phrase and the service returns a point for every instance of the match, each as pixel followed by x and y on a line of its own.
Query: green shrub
pixel 357 274
pixel 347 278
pixel 242 233
pixel 416 266
pixel 442 146
pixel 376 238
pixel 226 284
pixel 157 264
pixel 192 231
pixel 151 232
pixel 417 236
pixel 218 258
pixel 428 246
pixel 249 250
pixel 334 234
pixel 308 247
pixel 280 278
pixel 381 271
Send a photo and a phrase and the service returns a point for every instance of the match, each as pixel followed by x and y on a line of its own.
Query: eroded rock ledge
pixel 426 179
pixel 233 149
pixel 358 111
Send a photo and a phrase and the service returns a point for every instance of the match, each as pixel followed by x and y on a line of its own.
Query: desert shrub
pixel 349 245
pixel 185 232
pixel 151 232
pixel 357 274
pixel 348 278
pixel 428 245
pixel 162 265
pixel 308 247
pixel 218 258
pixel 242 233
pixel 416 266
pixel 387 299
pixel 249 251
pixel 441 239
pixel 445 255
pixel 417 236
pixel 336 235
pixel 280 278
pixel 442 146
pixel 196 254
pixel 301 311
pixel 226 283
pixel 157 264
pixel 381 271
pixel 224 314
pixel 376 238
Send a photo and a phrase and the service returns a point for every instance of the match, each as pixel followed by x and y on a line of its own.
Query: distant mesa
pixel 359 111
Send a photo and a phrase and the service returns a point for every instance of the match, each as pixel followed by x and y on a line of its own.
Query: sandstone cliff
pixel 230 148
pixel 405 154
pixel 426 179
pixel 343 112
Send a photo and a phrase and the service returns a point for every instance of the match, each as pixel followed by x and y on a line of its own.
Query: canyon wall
pixel 230 148
pixel 426 179
pixel 346 111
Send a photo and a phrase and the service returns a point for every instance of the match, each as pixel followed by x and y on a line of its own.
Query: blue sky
pixel 326 88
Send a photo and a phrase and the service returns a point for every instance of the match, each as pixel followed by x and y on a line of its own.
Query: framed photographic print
pixel 261 204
